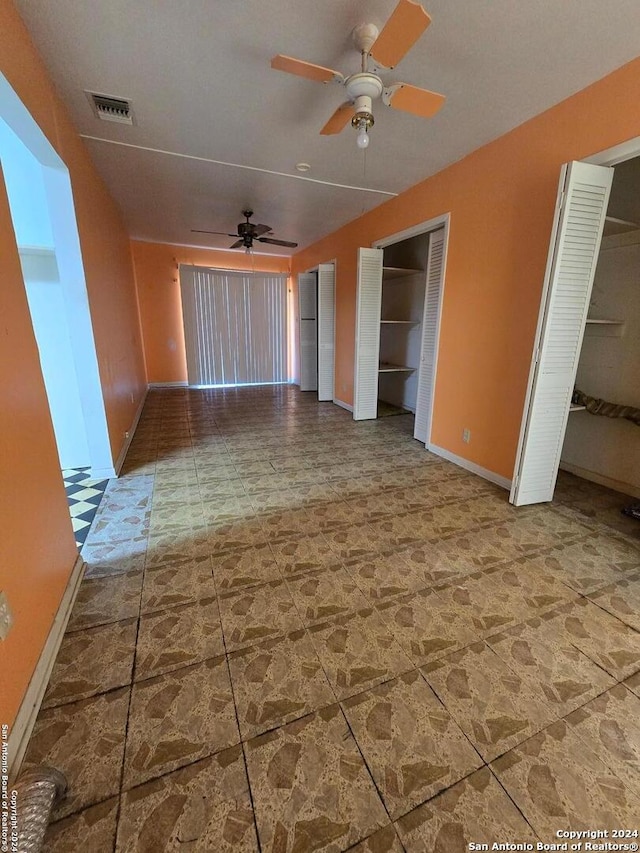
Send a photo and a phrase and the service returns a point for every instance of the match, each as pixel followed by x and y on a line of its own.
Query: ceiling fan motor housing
pixel 363 89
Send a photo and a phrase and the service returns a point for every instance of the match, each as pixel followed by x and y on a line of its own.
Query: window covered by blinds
pixel 235 326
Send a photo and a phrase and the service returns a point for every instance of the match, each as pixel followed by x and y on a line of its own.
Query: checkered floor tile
pixel 84 496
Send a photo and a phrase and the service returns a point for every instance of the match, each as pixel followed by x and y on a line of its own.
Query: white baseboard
pixel 471 466
pixel 184 384
pixel 343 405
pixel 601 479
pixel 129 438
pixel 26 717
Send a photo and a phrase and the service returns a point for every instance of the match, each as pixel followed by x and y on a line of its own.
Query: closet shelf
pixel 385 367
pixel 400 322
pixel 612 225
pixel 575 408
pixel 604 322
pixel 389 273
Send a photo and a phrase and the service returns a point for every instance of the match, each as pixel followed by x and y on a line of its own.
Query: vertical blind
pixel 235 325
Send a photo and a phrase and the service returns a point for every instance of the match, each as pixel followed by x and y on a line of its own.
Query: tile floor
pixel 84 496
pixel 300 633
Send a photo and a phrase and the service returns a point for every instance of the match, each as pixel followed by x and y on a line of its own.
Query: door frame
pixel 314 269
pixel 616 154
pixel 426 227
pixel 612 157
pixel 67 252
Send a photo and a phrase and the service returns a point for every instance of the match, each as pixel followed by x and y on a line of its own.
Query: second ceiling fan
pixel 248 232
pixel 386 48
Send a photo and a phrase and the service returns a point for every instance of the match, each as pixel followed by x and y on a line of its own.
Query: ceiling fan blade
pixel 411 99
pixel 237 244
pixel 274 242
pixel 339 119
pixel 403 29
pixel 261 229
pixel 305 69
pixel 223 233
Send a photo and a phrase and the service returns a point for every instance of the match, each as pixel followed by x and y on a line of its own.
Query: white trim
pixel 236 165
pixel 321 329
pixel 601 479
pixel 415 230
pixel 427 227
pixel 539 327
pixel 617 154
pixel 445 255
pixel 471 466
pixel 181 384
pixel 445 258
pixel 130 433
pixel 554 315
pixel 343 405
pixel 28 711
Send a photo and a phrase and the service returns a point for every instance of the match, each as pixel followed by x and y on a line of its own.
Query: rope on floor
pixel 601 407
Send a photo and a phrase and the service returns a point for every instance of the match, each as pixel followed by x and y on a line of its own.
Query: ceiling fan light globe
pixel 362 137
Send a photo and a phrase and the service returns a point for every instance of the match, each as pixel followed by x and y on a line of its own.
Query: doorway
pixel 43 214
pixel 316 331
pixel 587 348
pixel 399 305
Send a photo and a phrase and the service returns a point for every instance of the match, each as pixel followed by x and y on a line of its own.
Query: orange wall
pixel 156 270
pixel 501 199
pixel 37 546
pixel 38 551
pixel 103 239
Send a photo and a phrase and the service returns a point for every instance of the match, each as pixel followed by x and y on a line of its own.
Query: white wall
pixel 610 369
pixel 25 187
pixel 43 218
pixel 47 307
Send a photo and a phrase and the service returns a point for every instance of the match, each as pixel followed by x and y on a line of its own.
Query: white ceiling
pixel 198 75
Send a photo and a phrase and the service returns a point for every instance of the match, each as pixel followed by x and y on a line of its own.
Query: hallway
pixel 310 631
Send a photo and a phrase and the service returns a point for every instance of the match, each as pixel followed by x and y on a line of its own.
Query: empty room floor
pixel 301 633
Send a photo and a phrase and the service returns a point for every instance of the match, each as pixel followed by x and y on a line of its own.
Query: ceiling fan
pixel 386 48
pixel 248 232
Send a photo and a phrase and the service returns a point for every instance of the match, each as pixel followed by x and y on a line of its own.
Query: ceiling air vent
pixel 109 108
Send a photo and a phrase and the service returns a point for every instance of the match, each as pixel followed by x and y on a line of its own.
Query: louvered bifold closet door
pixel 368 305
pixel 235 326
pixel 307 307
pixel 582 207
pixel 430 330
pixel 326 330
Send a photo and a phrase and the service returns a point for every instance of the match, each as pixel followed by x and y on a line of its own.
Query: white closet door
pixel 307 297
pixel 430 332
pixel 368 303
pixel 326 330
pixel 573 255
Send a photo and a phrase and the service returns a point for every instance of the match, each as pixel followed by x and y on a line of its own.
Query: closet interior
pixel 606 449
pixel 316 330
pixel 401 315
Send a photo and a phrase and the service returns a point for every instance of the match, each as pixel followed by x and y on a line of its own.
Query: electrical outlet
pixel 466 435
pixel 6 619
pixel 126 435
